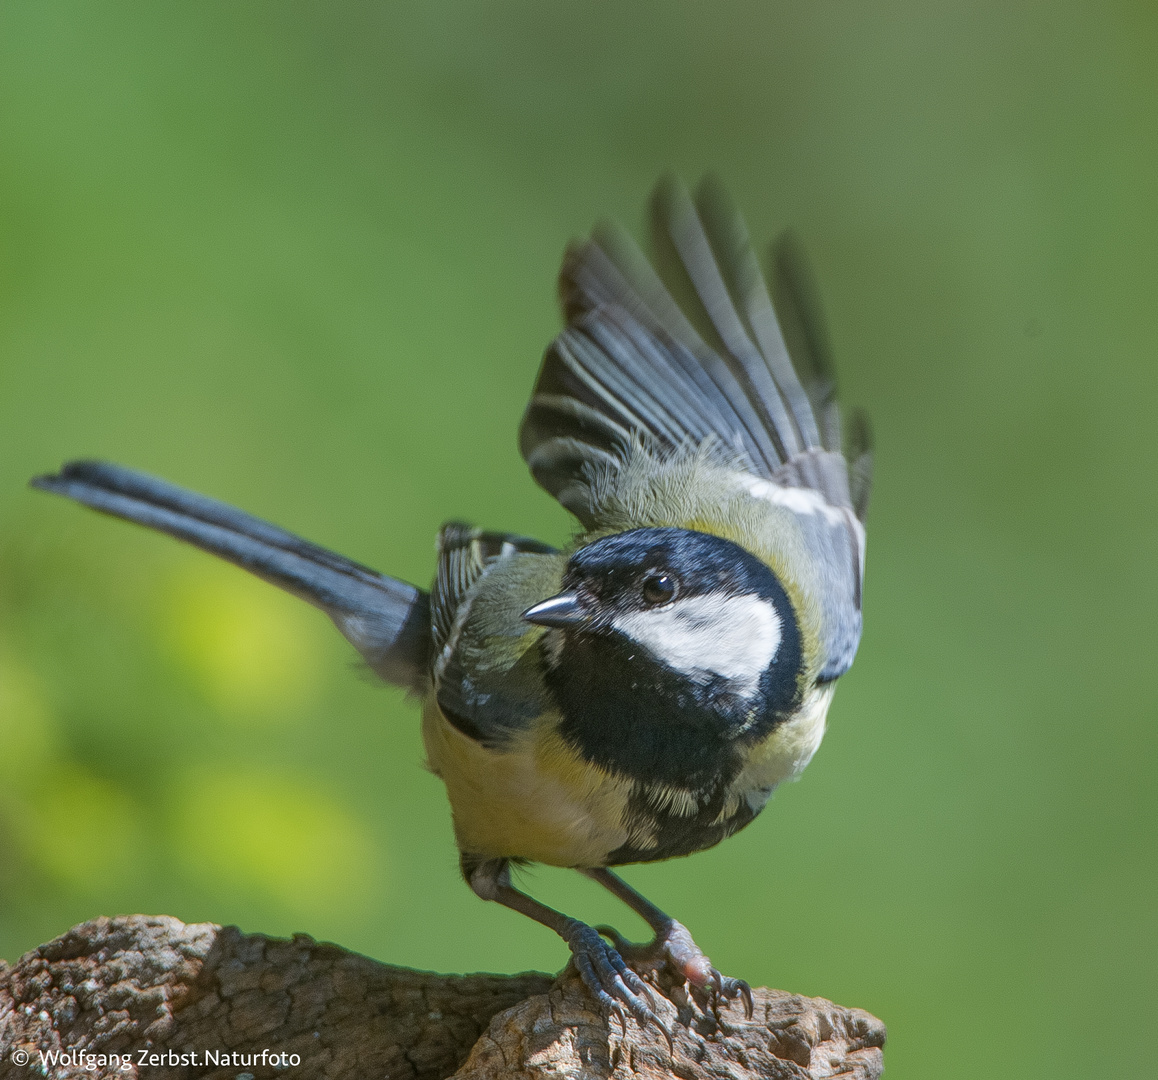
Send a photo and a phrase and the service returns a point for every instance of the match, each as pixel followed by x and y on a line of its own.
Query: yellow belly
pixel 536 799
pixel 532 800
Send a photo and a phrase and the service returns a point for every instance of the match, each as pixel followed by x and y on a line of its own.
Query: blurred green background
pixel 301 257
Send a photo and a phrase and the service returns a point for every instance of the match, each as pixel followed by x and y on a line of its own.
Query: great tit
pixel 639 694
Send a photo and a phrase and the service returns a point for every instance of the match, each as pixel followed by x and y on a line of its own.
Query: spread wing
pixel 693 352
pixel 486 676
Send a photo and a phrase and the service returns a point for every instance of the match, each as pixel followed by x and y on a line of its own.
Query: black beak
pixel 558 611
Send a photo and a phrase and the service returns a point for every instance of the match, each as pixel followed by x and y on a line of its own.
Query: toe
pixel 727 989
pixel 613 984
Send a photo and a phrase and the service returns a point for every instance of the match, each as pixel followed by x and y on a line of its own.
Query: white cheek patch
pixel 735 637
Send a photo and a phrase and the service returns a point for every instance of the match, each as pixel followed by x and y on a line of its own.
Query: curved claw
pixel 731 988
pixel 604 972
pixel 675 950
pixel 616 1010
pixel 726 988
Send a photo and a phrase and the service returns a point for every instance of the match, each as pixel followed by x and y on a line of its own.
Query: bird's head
pixel 686 614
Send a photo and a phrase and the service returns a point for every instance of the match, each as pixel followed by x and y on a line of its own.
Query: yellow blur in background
pixel 250 649
pixel 301 257
pixel 276 837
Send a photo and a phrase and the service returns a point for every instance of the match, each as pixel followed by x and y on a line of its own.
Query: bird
pixel 638 693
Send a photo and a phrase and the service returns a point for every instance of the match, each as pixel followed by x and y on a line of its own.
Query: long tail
pixel 386 620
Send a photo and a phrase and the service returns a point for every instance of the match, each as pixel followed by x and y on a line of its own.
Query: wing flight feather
pixel 691 348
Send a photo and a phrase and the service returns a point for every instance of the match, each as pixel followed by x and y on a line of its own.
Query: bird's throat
pixel 628 714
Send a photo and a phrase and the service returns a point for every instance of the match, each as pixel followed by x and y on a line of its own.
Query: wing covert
pixel 486 678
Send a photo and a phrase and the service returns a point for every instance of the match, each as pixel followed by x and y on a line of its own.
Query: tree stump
pixel 150 997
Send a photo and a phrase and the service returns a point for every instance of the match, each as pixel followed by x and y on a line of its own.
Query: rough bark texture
pixel 144 986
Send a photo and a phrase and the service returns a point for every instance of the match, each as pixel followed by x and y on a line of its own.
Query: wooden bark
pixel 152 989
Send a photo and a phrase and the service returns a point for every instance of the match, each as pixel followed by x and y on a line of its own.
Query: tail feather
pixel 386 620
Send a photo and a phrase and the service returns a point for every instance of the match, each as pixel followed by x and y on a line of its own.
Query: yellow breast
pixel 783 755
pixel 534 799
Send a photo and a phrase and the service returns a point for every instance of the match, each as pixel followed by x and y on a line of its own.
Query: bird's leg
pixel 612 982
pixel 672 946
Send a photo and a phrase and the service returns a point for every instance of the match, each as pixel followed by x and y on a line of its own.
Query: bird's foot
pixel 672 960
pixel 614 985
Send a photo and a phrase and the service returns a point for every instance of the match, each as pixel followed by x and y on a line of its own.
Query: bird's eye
pixel 659 588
